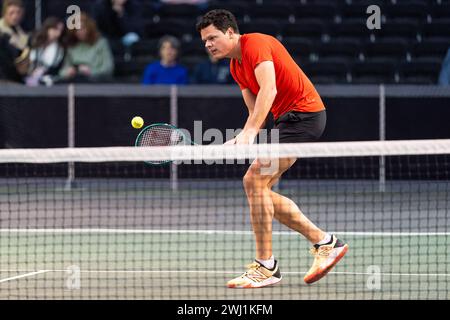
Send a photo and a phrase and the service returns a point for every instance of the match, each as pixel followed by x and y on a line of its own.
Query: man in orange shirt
pixel 270 80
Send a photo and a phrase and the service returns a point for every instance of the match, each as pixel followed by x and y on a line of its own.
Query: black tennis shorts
pixel 300 126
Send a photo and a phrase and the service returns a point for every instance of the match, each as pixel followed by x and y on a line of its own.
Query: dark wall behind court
pixel 41 122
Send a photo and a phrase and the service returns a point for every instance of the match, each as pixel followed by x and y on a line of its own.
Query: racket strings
pixel 160 136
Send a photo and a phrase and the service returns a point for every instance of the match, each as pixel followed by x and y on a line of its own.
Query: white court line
pixel 209 232
pixel 395 274
pixel 235 272
pixel 24 275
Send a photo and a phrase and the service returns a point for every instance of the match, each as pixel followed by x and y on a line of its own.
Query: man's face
pixel 218 44
pixel 13 16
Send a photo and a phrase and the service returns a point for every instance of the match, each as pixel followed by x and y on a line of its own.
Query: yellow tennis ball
pixel 137 122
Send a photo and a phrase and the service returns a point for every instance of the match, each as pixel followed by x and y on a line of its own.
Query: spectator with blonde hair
pixel 88 58
pixel 10 29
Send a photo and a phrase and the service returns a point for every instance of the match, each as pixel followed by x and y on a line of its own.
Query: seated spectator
pixel 88 58
pixel 117 18
pixel 12 15
pixel 8 55
pixel 47 53
pixel 167 70
pixel 444 76
pixel 212 71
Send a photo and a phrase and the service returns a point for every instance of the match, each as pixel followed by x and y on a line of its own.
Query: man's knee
pixel 253 180
pixel 249 180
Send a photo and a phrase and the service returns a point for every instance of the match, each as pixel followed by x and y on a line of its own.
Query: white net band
pixel 213 152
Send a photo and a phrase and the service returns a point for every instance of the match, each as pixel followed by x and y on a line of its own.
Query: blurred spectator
pixel 8 55
pixel 212 71
pixel 444 76
pixel 167 70
pixel 12 15
pixel 117 18
pixel 47 53
pixel 88 58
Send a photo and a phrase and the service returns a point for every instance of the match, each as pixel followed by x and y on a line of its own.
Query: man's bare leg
pixel 289 214
pixel 326 255
pixel 266 204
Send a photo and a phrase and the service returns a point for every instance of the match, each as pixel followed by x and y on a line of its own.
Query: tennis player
pixel 271 81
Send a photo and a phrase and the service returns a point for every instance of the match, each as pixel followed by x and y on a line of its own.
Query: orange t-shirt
pixel 295 92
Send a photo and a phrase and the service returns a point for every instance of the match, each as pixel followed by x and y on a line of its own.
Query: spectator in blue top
pixel 444 76
pixel 167 70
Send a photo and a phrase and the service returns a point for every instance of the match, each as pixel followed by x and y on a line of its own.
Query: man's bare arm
pixel 260 106
pixel 250 99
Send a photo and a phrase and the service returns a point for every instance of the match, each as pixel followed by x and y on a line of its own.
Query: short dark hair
pixel 220 18
pixel 174 42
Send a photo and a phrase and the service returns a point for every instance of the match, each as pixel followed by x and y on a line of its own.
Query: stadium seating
pixel 393 50
pixel 373 72
pixel 350 29
pixel 412 10
pixel 300 48
pixel 280 12
pixel 240 9
pixel 348 49
pixel 185 11
pixel 429 49
pixel 329 39
pixel 267 26
pixel 440 11
pixel 354 11
pixel 325 11
pixel 328 72
pixel 437 29
pixel 313 29
pixel 423 72
pixel 395 29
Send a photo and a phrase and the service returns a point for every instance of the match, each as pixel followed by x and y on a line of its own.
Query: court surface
pixel 129 239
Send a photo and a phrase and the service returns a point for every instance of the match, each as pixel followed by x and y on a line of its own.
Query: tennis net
pixel 118 228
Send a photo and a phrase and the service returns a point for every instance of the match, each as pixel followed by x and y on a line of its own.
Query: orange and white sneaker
pixel 325 258
pixel 257 276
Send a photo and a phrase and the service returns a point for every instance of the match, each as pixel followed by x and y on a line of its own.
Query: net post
pixel 174 122
pixel 382 129
pixel 70 134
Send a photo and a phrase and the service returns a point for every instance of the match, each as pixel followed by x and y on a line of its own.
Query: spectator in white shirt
pixel 47 53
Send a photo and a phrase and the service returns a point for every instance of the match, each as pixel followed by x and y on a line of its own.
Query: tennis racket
pixel 161 135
